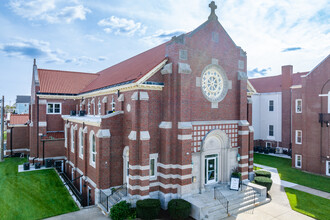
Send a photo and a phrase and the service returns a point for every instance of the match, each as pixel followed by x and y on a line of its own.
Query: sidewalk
pixel 276 180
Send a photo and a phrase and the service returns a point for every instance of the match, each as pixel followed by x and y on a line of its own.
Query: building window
pixel 81 143
pixel 268 144
pixel 271 130
pixel 92 147
pixel 65 137
pixel 53 108
pixel 153 166
pixel 215 37
pixel 271 105
pixel 183 54
pixel 298 161
pixel 89 107
pixel 241 64
pixel 327 172
pixel 298 136
pixel 72 139
pixel 298 105
pixel 113 104
pixel 99 106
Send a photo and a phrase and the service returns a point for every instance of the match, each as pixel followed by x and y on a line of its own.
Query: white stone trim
pixel 137 187
pixel 243 123
pixel 167 69
pixel 79 171
pixel 154 157
pixel 214 105
pixel 42 102
pixel 135 96
pixel 152 72
pixel 214 122
pixel 184 137
pixel 103 133
pixel 243 132
pixel 67 125
pixel 85 130
pixel 17 125
pixel 245 173
pixel 243 165
pixel 165 125
pixel 144 96
pixel 105 99
pixel 71 164
pixel 138 167
pixel 90 181
pixel 251 129
pixel 185 125
pixel 215 61
pixel 250 159
pixel 174 176
pixel 198 81
pixel 296 87
pixel 251 152
pixel 42 123
pixel 251 166
pixel 121 98
pixel 244 157
pixel 184 68
pixel 165 186
pixel 138 177
pixel 230 84
pixel 20 149
pixel 144 135
pixel 174 166
pixel 132 136
pixel 112 114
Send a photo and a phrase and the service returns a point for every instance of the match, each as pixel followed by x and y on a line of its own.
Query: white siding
pixel 262 117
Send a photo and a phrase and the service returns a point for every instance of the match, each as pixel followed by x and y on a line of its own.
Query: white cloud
pixel 52 11
pixel 161 36
pixel 94 38
pixel 122 26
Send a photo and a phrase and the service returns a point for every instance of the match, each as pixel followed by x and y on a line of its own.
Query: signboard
pixel 234 183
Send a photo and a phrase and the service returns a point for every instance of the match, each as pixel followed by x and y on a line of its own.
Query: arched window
pixel 99 106
pixel 92 147
pixel 81 143
pixel 89 107
pixel 72 139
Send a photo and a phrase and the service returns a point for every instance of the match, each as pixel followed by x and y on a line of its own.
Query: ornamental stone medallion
pixel 214 83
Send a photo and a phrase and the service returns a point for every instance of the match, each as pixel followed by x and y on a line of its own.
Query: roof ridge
pixel 66 71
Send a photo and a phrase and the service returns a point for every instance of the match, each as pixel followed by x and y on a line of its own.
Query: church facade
pixel 165 123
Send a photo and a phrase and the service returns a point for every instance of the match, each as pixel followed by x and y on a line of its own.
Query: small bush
pixel 266 151
pixel 263 173
pixel 260 149
pixel 120 211
pixel 255 149
pixel 179 209
pixel 264 181
pixel 148 208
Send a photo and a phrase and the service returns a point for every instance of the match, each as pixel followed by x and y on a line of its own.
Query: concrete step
pixel 220 214
pixel 241 205
pixel 240 200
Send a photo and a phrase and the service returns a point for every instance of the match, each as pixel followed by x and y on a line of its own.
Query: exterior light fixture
pixel 238 157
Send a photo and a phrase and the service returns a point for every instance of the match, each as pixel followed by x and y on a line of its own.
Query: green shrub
pixel 179 209
pixel 120 211
pixel 263 173
pixel 148 208
pixel 264 181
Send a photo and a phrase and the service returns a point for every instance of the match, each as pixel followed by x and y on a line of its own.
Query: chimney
pixel 287 72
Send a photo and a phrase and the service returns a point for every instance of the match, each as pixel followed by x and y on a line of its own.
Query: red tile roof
pixel 18 119
pixel 273 83
pixel 65 82
pixel 128 70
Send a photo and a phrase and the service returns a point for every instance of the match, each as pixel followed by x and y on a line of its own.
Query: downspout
pixel 290 121
pixel 321 148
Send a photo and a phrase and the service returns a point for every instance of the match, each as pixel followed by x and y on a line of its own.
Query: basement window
pixel 327 171
pixel 298 105
pixel 298 161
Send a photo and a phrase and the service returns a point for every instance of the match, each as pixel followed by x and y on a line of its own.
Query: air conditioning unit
pixel 72 113
pixel 26 166
pixel 37 165
pixel 82 113
pixel 49 162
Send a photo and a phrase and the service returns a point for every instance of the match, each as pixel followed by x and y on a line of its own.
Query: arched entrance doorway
pixel 217 158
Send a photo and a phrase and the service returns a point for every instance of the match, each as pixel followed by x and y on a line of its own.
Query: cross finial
pixel 213 6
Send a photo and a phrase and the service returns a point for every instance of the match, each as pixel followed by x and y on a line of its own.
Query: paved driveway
pixel 90 213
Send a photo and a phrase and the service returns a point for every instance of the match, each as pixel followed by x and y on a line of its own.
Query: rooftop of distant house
pixel 23 99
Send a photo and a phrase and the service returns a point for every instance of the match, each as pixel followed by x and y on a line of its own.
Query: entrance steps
pixel 110 198
pixel 205 206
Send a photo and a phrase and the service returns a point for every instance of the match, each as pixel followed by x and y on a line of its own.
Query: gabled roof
pixel 18 119
pixel 23 99
pixel 64 82
pixel 273 83
pixel 129 70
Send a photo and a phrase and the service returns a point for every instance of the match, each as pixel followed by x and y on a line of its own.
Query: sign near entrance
pixel 234 183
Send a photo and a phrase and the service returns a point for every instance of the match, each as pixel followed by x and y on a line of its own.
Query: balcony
pixel 324 118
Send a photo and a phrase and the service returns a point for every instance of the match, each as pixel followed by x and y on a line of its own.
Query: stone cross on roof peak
pixel 213 16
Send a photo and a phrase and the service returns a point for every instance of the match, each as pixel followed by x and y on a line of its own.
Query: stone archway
pixel 216 151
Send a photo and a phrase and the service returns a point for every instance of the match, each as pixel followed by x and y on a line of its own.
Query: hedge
pixel 264 181
pixel 263 173
pixel 148 208
pixel 120 211
pixel 179 209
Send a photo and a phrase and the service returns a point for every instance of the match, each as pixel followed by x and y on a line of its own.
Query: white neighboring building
pixel 22 104
pixel 267 118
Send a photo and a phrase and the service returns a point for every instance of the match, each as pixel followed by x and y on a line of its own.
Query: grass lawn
pixel 308 204
pixel 31 195
pixel 290 174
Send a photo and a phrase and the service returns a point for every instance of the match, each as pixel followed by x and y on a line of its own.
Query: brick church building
pixel 165 123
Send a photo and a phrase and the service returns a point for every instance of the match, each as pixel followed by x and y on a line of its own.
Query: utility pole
pixel 2 128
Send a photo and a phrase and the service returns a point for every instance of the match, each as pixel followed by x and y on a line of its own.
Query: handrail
pixel 105 198
pixel 222 199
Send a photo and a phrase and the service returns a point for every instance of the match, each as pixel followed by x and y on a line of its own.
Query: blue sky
pixel 88 36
